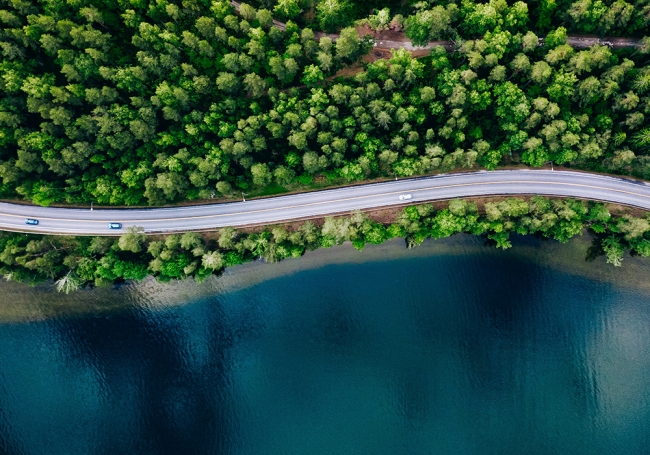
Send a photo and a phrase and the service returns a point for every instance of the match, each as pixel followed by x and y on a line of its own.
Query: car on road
pixel 31 221
pixel 404 197
pixel 115 225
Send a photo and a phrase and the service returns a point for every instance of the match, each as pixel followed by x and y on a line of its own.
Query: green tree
pixel 633 228
pixel 311 162
pixel 287 9
pixel 224 188
pixel 227 82
pixel 556 37
pixel 212 260
pixel 348 45
pixel 333 14
pixel 283 175
pixel 516 16
pixel 190 240
pixel 540 72
pixel 68 282
pixel 132 240
pixel 481 17
pixel 520 63
pixel 312 75
pixel 529 42
pixel 613 250
pixel 247 12
pixel 433 24
pixel 642 138
pixel 261 174
pixel 255 85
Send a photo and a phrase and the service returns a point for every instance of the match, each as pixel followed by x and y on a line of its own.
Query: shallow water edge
pixel 21 302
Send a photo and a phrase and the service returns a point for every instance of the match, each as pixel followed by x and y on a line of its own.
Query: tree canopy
pixel 159 102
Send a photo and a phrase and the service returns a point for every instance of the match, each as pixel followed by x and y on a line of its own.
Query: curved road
pixel 282 208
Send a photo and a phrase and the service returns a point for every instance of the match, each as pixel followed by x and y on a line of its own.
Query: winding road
pixel 271 210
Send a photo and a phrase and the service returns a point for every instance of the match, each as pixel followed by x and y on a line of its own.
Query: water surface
pixel 451 348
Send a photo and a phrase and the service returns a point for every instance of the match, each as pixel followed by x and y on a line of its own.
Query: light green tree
pixel 190 240
pixel 255 85
pixel 227 82
pixel 265 18
pixel 261 174
pixel 287 9
pixel 432 24
pixel 68 282
pixel 224 187
pixel 227 237
pixel 633 228
pixel 312 75
pixel 283 175
pixel 247 11
pixel 333 14
pixel 613 250
pixel 348 44
pixel 212 260
pixel 133 240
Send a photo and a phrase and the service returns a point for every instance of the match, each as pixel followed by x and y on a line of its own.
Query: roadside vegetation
pixel 84 261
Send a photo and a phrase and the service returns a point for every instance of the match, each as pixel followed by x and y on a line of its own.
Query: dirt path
pixel 397 40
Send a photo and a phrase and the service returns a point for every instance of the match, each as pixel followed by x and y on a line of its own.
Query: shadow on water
pixel 595 250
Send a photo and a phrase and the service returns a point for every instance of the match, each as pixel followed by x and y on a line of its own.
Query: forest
pixel 157 102
pixel 467 18
pixel 160 102
pixel 74 262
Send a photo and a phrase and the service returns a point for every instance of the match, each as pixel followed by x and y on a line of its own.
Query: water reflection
pixel 477 352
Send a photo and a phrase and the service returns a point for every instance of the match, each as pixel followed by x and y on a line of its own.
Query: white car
pixel 404 197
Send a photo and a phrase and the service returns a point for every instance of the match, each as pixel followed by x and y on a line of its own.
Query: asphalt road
pixel 341 200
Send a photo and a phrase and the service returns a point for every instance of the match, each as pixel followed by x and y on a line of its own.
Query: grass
pixel 269 190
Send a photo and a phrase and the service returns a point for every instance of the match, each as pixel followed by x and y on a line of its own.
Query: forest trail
pixel 575 41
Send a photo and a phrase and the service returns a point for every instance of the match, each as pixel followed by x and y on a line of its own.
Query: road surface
pixel 340 200
pixel 575 41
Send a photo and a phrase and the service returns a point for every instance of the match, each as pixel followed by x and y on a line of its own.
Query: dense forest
pixel 159 102
pixel 467 18
pixel 74 262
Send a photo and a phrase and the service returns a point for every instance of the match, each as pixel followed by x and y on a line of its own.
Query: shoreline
pixel 26 303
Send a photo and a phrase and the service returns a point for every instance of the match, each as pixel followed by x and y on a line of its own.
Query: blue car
pixel 114 225
pixel 31 221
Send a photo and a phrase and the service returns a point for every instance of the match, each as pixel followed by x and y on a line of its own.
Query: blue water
pixel 485 353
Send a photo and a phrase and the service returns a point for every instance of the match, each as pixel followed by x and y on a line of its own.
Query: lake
pixel 453 347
